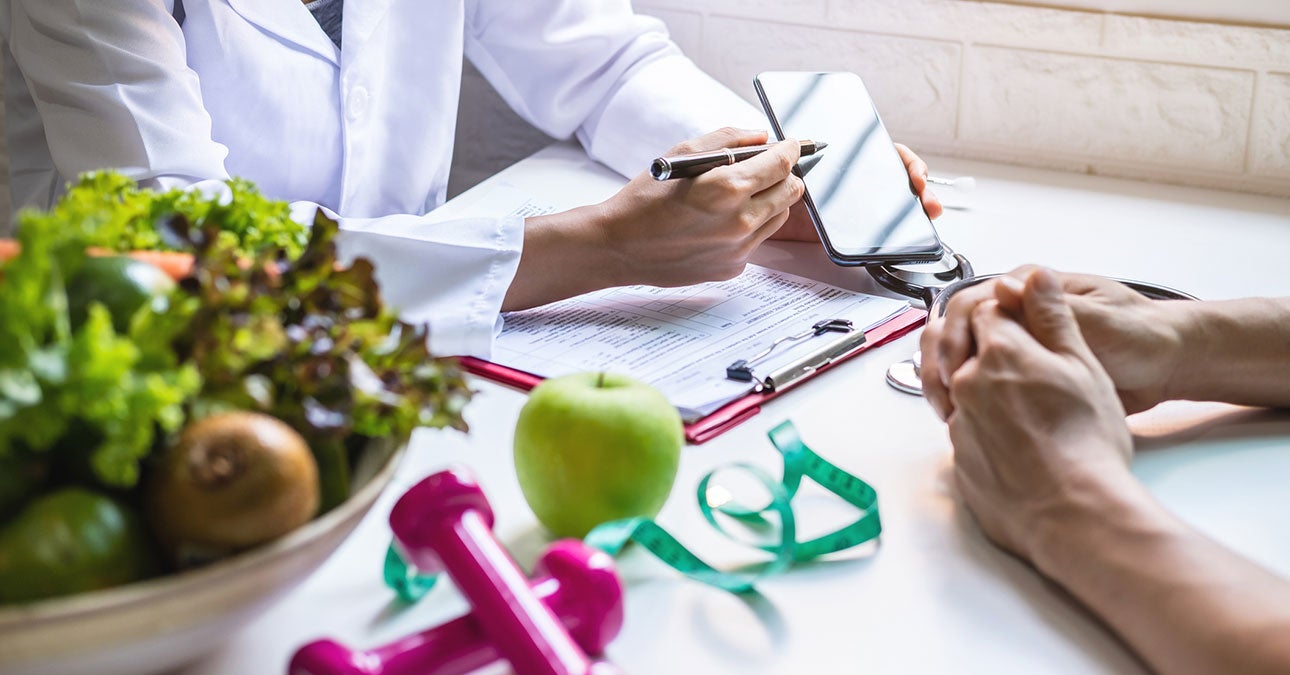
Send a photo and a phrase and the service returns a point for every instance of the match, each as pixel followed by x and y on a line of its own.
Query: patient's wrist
pixel 1188 373
pixel 1096 511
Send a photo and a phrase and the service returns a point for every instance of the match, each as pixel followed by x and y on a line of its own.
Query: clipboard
pixel 745 407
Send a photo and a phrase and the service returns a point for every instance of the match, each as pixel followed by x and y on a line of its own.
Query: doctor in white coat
pixel 256 88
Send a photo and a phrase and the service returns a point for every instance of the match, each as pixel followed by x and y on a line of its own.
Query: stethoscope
pixel 935 283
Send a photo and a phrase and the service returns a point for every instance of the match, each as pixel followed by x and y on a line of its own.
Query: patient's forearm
pixel 1182 601
pixel 1236 351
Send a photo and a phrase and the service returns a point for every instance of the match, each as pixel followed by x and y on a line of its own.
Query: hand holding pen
pixel 694 164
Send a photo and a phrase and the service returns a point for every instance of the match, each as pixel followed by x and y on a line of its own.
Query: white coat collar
pixel 291 22
pixel 361 18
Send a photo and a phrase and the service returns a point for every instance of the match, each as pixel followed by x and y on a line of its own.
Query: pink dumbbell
pixel 575 581
pixel 444 524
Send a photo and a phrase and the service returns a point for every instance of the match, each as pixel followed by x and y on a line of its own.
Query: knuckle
pixel 783 163
pixel 927 341
pixel 952 351
pixel 961 382
pixel 981 311
pixel 722 184
pixel 682 148
pixel 796 187
pixel 959 304
pixel 738 185
pixel 748 221
pixel 993 345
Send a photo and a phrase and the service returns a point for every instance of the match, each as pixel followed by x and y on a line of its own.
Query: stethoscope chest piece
pixel 904 376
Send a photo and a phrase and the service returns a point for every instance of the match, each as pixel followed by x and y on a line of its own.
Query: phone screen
pixel 857 189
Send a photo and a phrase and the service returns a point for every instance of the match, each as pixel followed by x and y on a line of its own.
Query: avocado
pixel 123 285
pixel 69 541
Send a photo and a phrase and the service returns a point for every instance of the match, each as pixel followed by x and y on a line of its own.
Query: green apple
pixel 595 447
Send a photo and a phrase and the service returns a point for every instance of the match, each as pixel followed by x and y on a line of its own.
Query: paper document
pixel 679 340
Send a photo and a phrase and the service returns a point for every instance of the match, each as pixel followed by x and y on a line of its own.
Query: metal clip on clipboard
pixel 784 377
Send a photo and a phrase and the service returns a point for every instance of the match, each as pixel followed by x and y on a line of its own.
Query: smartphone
pixel 857 189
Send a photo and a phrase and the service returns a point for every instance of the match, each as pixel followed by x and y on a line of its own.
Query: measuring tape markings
pixel 799 462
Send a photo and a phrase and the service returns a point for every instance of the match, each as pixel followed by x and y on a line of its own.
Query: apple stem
pixel 600 381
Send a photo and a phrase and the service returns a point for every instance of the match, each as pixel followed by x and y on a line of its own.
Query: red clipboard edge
pixel 733 413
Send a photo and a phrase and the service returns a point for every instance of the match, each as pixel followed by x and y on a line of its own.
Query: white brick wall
pixel 1185 102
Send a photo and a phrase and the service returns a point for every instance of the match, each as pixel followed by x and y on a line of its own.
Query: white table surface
pixel 935 596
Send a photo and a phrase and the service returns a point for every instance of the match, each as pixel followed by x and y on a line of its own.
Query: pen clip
pixel 742 369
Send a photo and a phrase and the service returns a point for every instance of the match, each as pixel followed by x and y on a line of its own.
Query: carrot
pixel 9 249
pixel 176 265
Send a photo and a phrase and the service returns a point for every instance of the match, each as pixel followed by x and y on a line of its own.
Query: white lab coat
pixel 254 88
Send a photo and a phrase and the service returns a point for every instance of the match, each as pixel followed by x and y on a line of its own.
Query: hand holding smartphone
pixel 857 191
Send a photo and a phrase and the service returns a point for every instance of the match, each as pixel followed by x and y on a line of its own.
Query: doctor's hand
pixel 799 227
pixel 1137 340
pixel 679 232
pixel 1037 430
pixel 661 233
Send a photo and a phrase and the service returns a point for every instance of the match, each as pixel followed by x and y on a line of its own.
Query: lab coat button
pixel 356 107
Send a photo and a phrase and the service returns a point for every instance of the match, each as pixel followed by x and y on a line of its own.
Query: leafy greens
pixel 309 342
pixel 267 320
pixel 102 389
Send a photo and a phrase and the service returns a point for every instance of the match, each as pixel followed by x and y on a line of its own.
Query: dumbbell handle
pixel 445 523
pixel 453 648
pixel 575 581
pixel 521 627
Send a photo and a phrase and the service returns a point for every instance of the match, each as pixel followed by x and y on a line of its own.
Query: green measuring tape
pixel 799 462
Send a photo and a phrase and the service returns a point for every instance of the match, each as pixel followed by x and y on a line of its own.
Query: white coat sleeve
pixel 111 84
pixel 452 275
pixel 596 70
pixel 112 87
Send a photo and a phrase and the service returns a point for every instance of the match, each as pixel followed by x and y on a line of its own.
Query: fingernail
pixel 1014 284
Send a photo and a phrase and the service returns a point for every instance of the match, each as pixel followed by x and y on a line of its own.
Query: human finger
pixel 1009 292
pixel 1085 284
pixel 998 335
pixel 761 171
pixel 768 228
pixel 934 389
pixel 725 137
pixel 1075 283
pixel 955 343
pixel 917 169
pixel 774 204
pixel 915 165
pixel 1048 317
pixel 931 204
pixel 798 227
